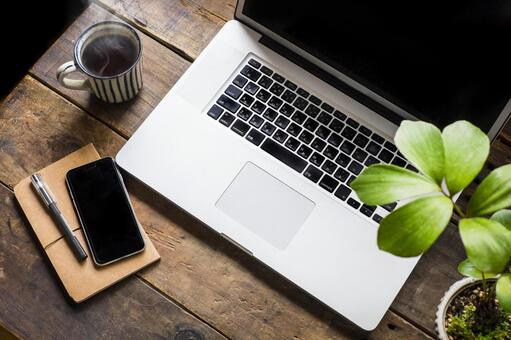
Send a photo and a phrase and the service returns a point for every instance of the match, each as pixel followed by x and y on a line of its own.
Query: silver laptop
pixel 262 135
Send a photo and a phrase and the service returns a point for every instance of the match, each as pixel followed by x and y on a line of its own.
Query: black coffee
pixel 109 55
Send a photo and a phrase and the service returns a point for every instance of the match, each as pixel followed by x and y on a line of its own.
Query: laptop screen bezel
pixel 240 16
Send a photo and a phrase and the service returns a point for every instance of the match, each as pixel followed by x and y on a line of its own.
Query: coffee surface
pixel 109 55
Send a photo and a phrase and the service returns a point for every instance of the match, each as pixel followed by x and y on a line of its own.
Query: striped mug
pixel 109 55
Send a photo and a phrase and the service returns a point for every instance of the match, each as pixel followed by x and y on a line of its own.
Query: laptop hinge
pixel 331 80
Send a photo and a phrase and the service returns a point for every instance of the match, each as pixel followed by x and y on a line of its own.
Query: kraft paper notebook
pixel 81 280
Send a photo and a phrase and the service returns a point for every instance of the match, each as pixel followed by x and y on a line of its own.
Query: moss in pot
pixel 447 162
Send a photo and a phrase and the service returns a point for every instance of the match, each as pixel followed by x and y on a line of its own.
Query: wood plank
pixel 186 26
pixel 161 69
pixel 33 303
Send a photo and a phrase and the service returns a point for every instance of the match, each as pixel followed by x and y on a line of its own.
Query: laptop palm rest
pixel 265 205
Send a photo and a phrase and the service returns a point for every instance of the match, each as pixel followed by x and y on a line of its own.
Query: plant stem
pixel 458 211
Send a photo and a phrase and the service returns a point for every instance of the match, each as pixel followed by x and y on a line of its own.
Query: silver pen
pixel 51 203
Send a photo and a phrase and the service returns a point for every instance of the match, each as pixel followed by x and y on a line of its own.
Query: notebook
pixel 80 279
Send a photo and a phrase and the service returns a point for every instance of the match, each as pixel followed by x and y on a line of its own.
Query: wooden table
pixel 203 287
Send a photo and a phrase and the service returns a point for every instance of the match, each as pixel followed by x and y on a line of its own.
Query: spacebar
pixel 284 155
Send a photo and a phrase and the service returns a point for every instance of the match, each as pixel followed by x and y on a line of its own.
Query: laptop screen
pixel 440 61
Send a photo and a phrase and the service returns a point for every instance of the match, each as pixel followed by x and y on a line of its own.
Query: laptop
pixel 262 135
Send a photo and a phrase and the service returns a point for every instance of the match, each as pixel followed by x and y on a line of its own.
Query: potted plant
pixel 479 306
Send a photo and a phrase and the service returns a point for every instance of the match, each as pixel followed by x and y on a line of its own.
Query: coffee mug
pixel 108 54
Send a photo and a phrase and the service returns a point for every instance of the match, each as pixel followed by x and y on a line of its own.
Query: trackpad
pixel 265 205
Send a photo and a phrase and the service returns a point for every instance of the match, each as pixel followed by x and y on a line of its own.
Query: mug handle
pixel 73 84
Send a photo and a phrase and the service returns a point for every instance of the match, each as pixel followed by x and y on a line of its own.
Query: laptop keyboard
pixel 304 132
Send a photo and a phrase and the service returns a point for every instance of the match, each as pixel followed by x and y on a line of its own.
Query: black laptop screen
pixel 438 60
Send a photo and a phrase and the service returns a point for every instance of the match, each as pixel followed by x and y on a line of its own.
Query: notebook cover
pixel 81 280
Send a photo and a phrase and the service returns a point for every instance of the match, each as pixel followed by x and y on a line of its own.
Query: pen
pixel 51 204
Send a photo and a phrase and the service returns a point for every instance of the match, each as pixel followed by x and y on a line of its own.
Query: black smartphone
pixel 104 210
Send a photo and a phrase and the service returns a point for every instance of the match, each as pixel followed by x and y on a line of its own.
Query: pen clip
pixel 42 189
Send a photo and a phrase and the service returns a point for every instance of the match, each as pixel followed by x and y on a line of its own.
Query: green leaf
pixel 503 217
pixel 383 184
pixel 487 243
pixel 466 148
pixel 503 291
pixel 412 229
pixel 467 268
pixel 494 193
pixel 421 143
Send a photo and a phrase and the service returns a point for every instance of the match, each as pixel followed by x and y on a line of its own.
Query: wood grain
pixel 33 304
pixel 161 69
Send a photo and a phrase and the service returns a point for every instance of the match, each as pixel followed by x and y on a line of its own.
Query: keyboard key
pixel 254 63
pixel 304 151
pixel 255 137
pixel 256 121
pixel 336 125
pixel 411 167
pixel 282 122
pixel 353 203
pixel 327 108
pixel 347 147
pixel 339 115
pixel 280 136
pixel 263 95
pixel 353 123
pixel 343 160
pixel 294 129
pixel 287 110
pixel 284 155
pixel 323 132
pixel 277 89
pixel 215 112
pixel 240 127
pixel 367 210
pixel 240 81
pixel 379 139
pixel 268 128
pixel 290 85
pixel 266 70
pixel 328 183
pixel 342 192
pixel 313 173
pixel 348 133
pixel 373 148
pixel 399 161
pixel 329 166
pixel 365 130
pixel 246 100
pixel 250 73
pixel 312 111
pixel 299 117
pixel 377 218
pixel 289 96
pixel 311 124
pixel 390 146
pixel 300 103
pixel 251 88
pixel 265 82
pixel 275 102
pixel 331 152
pixel 385 155
pixel 228 104
pixel 355 167
pixel 270 114
pixel 389 207
pixel 335 139
pixel 318 144
pixel 324 118
pixel 360 155
pixel 258 107
pixel 342 174
pixel 351 179
pixel 244 113
pixel 317 159
pixel 292 143
pixel 302 93
pixel 233 91
pixel 227 119
pixel 278 77
pixel 315 100
pixel 306 137
pixel 361 140
pixel 371 160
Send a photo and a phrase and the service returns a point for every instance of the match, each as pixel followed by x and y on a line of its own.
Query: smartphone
pixel 105 212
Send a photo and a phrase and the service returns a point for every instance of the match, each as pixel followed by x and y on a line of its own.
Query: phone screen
pixel 105 212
